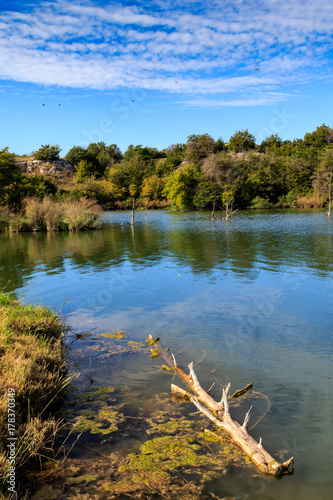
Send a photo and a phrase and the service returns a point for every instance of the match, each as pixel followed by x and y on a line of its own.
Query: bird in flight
pixel 176 82
pixel 132 100
pixel 59 104
pixel 257 69
pixel 43 104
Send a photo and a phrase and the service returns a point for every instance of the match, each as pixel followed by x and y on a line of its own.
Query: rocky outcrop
pixel 41 167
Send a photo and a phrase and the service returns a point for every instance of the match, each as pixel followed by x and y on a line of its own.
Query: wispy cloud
pixel 206 49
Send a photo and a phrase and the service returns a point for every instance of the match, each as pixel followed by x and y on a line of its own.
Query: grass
pixel 32 363
pixel 49 215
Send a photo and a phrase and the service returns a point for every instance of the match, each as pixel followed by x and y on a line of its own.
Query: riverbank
pixel 34 380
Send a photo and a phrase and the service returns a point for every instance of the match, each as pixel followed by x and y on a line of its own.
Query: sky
pixel 154 72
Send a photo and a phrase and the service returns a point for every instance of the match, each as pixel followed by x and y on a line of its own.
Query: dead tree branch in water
pixel 219 413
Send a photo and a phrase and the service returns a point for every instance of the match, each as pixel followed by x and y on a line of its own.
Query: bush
pixel 4 218
pixel 48 153
pixel 83 214
pixel 54 216
pixel 35 213
pixel 287 201
pixel 259 203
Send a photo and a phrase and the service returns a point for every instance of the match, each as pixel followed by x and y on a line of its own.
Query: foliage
pixel 320 138
pixel 75 155
pixel 48 153
pixel 84 170
pixel 323 178
pixel 37 185
pixel 181 186
pixel 4 218
pixel 202 173
pixel 261 203
pixel 10 180
pixel 241 141
pixel 199 147
pixel 152 187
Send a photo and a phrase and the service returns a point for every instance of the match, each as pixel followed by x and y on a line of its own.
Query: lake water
pixel 255 296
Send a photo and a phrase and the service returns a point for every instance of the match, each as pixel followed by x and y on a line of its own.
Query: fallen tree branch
pixel 219 413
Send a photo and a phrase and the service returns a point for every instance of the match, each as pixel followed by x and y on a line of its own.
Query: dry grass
pixel 82 214
pixel 32 363
pixel 39 215
pixel 311 201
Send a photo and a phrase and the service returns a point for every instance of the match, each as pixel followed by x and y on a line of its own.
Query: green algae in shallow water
pixel 86 478
pixel 95 421
pixel 169 466
pixel 97 393
pixel 169 427
pixel 47 493
pixel 118 335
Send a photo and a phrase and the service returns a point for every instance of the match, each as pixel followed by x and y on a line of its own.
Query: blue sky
pixel 154 72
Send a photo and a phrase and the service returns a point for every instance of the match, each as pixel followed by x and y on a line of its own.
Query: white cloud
pixel 206 48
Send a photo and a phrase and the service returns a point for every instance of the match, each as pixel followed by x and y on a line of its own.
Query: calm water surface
pixel 256 295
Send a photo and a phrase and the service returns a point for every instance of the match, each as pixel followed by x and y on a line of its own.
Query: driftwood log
pixel 219 413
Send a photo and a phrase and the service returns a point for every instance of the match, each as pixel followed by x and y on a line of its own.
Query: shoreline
pixel 34 383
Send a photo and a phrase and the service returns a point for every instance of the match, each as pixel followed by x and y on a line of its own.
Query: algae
pixel 103 421
pixel 118 335
pixel 47 493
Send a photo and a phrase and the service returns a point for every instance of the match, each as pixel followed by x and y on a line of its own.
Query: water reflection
pixel 250 244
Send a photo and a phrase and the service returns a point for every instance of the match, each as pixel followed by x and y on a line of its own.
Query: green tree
pixel 75 155
pixel 242 141
pixel 48 153
pixel 174 157
pixel 152 187
pixel 129 174
pixel 37 186
pixel 320 138
pixel 271 143
pixel 102 156
pixel 181 186
pixel 198 148
pixel 10 180
pixel 84 170
pixel 209 187
pixel 222 170
pixel 324 175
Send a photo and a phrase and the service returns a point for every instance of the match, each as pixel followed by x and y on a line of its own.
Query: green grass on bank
pixel 32 363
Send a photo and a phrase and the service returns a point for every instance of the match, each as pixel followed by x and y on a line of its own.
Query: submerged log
pixel 219 413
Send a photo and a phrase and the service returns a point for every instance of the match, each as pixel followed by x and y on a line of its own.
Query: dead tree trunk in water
pixel 213 209
pixel 329 194
pixel 133 210
pixel 229 208
pixel 218 412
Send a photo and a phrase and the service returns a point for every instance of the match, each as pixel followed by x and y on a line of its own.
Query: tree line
pixel 202 173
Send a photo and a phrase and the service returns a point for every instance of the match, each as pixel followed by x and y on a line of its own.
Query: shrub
pixel 35 213
pixel 53 214
pixel 310 201
pixel 83 214
pixel 4 218
pixel 287 201
pixel 259 203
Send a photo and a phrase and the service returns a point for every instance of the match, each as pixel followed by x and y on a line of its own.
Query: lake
pixel 253 298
